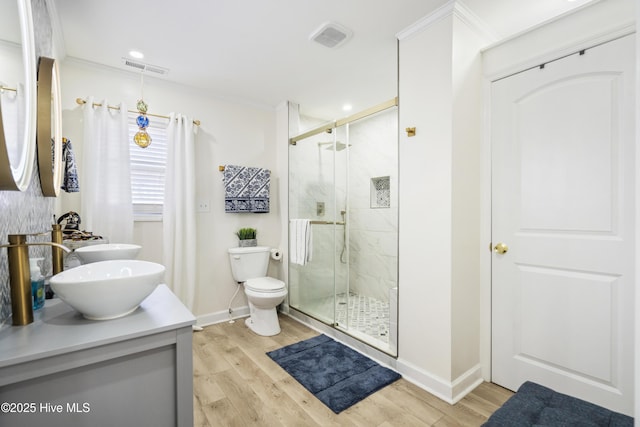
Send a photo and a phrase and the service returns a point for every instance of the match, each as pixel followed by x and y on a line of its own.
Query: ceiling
pixel 258 51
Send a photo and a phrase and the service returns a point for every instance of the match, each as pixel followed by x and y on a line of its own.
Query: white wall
pixel 440 95
pixel 425 93
pixel 465 209
pixel 231 133
pixel 587 26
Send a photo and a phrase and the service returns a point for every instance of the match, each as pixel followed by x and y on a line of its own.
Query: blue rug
pixel 337 375
pixel 535 405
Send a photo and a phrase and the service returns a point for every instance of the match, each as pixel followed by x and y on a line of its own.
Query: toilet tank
pixel 249 262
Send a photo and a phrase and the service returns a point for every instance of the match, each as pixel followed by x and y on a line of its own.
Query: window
pixel 147 170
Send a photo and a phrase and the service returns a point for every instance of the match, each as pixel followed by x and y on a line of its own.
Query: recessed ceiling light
pixel 136 54
pixel 346 107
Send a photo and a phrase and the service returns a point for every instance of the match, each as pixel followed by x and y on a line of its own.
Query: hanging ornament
pixel 142 138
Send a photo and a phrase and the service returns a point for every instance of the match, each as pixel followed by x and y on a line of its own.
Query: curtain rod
pixel 81 101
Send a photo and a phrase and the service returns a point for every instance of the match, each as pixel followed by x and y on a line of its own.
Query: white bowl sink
pixel 107 289
pixel 107 251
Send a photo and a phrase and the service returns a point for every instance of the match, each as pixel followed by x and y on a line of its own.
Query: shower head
pixel 339 146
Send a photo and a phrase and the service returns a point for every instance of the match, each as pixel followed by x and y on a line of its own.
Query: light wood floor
pixel 237 384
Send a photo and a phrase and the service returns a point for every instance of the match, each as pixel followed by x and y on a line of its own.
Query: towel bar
pixel 327 222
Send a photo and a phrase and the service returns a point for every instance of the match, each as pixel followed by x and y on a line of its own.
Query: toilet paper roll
pixel 276 254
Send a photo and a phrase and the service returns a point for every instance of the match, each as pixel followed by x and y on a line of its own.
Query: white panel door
pixel 563 204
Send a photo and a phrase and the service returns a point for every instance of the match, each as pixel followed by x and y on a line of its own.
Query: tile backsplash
pixel 23 212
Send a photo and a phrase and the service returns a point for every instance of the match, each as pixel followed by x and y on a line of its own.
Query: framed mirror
pixel 17 95
pixel 49 129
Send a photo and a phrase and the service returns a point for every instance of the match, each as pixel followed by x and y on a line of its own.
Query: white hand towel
pixel 301 241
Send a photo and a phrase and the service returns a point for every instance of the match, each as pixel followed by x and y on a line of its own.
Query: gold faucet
pixel 20 275
pixel 56 252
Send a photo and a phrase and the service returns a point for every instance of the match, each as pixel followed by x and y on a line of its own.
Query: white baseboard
pixel 449 391
pixel 236 313
pixel 222 316
pixel 426 381
pixel 466 382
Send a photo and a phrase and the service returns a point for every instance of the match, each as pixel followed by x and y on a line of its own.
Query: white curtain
pixel 179 212
pixel 105 175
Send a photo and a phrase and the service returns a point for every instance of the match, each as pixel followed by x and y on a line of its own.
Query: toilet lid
pixel 264 284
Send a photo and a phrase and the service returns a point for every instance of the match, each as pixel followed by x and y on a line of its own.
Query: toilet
pixel 249 266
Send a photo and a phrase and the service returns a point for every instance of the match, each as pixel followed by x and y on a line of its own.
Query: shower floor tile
pixel 364 314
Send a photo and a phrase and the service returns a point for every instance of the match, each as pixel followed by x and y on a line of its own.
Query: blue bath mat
pixel 334 373
pixel 536 405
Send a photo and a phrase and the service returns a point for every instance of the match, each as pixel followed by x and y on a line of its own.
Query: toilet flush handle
pixel 236 257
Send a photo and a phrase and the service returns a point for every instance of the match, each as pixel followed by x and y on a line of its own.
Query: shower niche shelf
pixel 380 192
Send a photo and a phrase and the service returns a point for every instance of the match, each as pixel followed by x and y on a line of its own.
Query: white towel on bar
pixel 301 241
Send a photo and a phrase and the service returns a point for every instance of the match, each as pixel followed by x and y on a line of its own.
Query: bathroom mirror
pixel 49 133
pixel 17 95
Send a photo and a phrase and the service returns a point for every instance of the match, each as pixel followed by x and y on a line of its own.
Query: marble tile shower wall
pixel 373 231
pixel 29 211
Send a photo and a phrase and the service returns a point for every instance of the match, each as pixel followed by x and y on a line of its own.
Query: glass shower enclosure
pixel 343 183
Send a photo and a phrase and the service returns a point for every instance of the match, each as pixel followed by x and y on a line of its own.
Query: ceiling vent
pixel 331 35
pixel 141 66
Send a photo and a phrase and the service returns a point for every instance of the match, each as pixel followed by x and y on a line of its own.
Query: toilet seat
pixel 264 284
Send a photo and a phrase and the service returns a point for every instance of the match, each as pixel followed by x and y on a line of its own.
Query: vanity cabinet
pixel 65 370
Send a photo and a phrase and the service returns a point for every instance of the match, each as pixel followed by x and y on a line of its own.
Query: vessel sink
pixel 107 289
pixel 107 251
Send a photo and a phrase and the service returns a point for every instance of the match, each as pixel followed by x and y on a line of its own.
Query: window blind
pixel 148 169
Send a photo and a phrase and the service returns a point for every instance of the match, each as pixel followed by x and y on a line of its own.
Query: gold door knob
pixel 501 248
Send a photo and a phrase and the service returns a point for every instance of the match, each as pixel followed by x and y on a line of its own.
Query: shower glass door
pixel 343 179
pixel 312 196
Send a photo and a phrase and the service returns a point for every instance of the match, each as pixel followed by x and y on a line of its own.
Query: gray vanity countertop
pixel 59 329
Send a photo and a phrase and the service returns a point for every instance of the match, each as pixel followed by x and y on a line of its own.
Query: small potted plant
pixel 247 237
